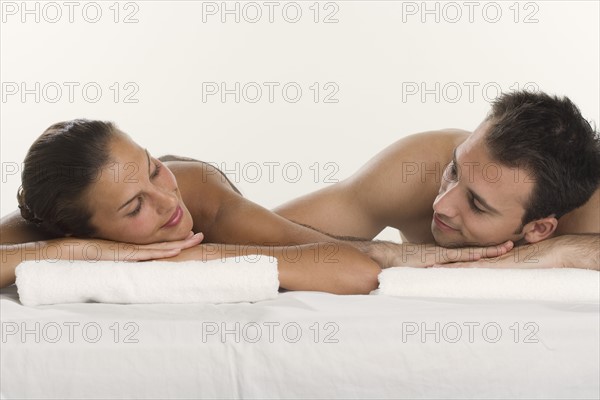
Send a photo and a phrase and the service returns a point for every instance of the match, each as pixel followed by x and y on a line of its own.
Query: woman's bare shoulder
pixel 197 172
pixel 205 190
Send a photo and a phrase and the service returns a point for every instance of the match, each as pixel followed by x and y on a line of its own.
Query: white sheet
pixel 375 355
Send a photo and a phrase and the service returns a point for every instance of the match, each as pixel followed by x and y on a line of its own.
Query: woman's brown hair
pixel 59 167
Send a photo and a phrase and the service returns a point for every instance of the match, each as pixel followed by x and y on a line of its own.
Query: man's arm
pixel 310 259
pixel 390 254
pixel 396 188
pixel 579 251
pixel 566 251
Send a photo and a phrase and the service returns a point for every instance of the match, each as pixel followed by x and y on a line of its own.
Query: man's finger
pixel 497 250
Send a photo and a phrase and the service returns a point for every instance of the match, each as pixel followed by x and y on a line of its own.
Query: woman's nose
pixel 166 200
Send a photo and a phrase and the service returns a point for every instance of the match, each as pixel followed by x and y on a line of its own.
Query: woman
pixel 86 184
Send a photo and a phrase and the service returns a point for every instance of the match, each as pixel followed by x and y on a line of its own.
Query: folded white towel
pixel 217 281
pixel 558 284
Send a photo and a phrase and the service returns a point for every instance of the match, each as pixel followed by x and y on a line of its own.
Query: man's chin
pixel 451 245
pixel 445 240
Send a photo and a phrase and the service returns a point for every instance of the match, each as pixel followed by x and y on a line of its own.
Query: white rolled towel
pixel 227 280
pixel 555 284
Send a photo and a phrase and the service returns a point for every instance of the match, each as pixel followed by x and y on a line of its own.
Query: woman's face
pixel 135 198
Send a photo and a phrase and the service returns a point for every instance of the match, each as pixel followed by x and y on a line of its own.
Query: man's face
pixel 480 201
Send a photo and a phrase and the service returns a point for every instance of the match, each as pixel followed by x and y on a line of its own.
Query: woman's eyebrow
pixel 148 157
pixel 138 193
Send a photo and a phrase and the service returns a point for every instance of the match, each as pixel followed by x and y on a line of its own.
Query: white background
pixel 378 57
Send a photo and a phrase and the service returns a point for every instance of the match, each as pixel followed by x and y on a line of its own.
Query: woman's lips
pixel 441 224
pixel 175 218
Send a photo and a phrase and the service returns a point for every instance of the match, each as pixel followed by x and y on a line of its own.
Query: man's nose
pixel 446 202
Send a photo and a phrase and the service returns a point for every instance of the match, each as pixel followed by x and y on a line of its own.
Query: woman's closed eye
pixel 138 208
pixel 157 169
pixel 154 174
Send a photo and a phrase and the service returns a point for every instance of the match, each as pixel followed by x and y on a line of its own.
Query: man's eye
pixel 474 206
pixel 452 174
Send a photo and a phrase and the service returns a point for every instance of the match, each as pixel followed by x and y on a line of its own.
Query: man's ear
pixel 538 230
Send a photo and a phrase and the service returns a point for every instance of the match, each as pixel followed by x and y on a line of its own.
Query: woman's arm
pixel 19 241
pixel 308 260
pixel 327 266
pixel 23 241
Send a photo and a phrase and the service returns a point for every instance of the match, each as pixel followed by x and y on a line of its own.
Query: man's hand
pixel 388 254
pixel 567 251
pixel 537 255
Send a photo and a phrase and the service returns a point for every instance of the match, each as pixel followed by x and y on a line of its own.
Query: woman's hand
pixel 70 248
pixel 99 249
pixel 213 251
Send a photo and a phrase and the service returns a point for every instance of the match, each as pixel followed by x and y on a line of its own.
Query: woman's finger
pixel 193 240
pixel 152 254
pixel 178 244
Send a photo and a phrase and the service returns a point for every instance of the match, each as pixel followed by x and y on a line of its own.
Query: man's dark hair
pixel 548 138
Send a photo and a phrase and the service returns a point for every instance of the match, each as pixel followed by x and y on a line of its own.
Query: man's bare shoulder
pixel 413 155
pixel 426 146
pixel 397 187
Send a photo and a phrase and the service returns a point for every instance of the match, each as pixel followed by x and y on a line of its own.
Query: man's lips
pixel 442 225
pixel 175 218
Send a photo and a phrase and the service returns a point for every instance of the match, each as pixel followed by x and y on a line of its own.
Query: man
pixel 529 174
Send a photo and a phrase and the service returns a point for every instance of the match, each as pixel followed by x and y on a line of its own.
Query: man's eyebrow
pixel 138 193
